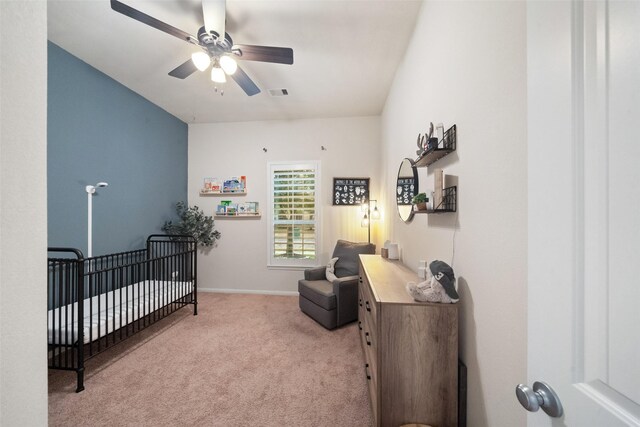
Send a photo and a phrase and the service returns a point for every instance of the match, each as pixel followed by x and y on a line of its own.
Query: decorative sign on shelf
pixel 350 191
pixel 405 191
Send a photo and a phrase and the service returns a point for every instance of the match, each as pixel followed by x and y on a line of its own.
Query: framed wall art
pixel 350 191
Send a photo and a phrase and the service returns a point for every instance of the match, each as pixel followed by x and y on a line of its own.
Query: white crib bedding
pixel 139 300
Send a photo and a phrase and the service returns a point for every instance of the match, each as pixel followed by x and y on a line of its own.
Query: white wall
pixel 466 64
pixel 239 262
pixel 23 213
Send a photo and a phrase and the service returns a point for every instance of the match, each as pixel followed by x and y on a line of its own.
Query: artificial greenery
pixel 419 198
pixel 193 222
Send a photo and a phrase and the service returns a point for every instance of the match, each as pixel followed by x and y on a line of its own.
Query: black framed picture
pixel 405 191
pixel 350 191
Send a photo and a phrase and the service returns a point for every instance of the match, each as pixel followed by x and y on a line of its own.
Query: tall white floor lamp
pixel 91 189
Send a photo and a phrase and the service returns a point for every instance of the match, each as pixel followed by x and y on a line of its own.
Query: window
pixel 293 214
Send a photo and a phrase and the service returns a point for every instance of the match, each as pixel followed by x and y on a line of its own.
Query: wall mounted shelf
pixel 228 193
pixel 448 204
pixel 238 216
pixel 444 147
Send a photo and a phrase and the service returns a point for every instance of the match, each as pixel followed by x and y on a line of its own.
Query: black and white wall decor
pixel 405 191
pixel 350 191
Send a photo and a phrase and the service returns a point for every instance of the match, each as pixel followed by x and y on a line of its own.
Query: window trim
pixel 291 263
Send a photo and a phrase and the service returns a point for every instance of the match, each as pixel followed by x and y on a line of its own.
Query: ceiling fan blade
pixel 214 12
pixel 151 21
pixel 280 55
pixel 245 82
pixel 184 70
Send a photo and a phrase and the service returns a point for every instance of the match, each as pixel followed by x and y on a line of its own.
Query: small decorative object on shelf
pixel 433 151
pixel 211 185
pixel 438 185
pixel 420 202
pixel 234 185
pixel 428 141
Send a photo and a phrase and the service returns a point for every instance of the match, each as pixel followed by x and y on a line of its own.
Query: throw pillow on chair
pixel 330 272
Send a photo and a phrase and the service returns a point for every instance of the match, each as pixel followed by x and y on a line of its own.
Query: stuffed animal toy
pixel 329 273
pixel 439 286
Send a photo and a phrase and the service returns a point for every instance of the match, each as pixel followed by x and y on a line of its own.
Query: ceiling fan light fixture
pixel 217 75
pixel 201 60
pixel 215 42
pixel 228 64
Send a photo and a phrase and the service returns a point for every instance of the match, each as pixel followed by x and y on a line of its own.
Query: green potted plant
pixel 420 201
pixel 193 222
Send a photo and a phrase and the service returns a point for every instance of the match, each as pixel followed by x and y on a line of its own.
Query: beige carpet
pixel 245 360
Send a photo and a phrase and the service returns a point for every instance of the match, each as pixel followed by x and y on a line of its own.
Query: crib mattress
pixel 110 311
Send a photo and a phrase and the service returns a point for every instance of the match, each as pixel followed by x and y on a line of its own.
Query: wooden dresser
pixel 410 348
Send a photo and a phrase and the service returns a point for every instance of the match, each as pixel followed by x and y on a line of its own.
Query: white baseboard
pixel 249 291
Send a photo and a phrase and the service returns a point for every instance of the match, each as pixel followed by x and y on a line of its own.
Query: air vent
pixel 278 92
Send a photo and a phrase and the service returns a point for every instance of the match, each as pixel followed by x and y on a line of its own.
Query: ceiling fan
pixel 218 51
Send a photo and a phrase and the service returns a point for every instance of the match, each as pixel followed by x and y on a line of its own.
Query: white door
pixel 584 209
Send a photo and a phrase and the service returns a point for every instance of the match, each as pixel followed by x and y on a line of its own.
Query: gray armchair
pixel 334 304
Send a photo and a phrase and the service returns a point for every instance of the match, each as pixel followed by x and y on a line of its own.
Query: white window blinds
pixel 293 214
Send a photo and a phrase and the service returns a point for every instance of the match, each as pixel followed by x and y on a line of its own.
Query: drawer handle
pixel 366 303
pixel 366 371
pixel 360 302
pixel 359 325
pixel 366 337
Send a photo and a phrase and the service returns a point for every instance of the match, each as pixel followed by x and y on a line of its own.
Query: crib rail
pixel 66 287
pixel 95 303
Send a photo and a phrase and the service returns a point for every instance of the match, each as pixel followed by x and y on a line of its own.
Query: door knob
pixel 542 396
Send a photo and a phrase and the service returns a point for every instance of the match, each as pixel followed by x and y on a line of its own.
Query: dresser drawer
pixel 361 310
pixel 366 300
pixel 369 338
pixel 369 347
pixel 373 392
pixel 371 372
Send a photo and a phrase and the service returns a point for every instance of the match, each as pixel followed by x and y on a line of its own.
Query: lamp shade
pixel 375 214
pixel 228 64
pixel 201 60
pixel 217 75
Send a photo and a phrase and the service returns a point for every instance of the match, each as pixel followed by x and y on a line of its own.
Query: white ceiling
pixel 345 54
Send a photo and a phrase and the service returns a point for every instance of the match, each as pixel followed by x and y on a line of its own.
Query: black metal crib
pixel 95 303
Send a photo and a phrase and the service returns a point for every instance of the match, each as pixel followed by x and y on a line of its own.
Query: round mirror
pixel 406 188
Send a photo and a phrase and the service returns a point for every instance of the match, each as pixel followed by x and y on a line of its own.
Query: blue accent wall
pixel 99 130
